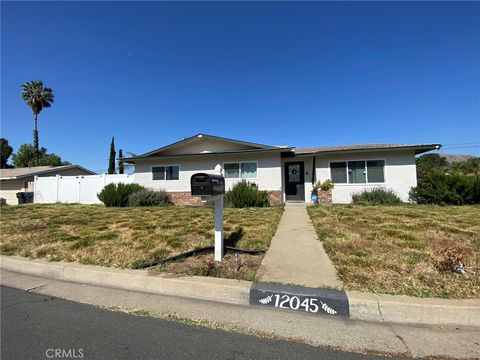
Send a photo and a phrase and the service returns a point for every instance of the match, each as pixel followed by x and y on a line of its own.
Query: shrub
pixel 324 186
pixel 443 189
pixel 376 196
pixel 116 195
pixel 246 194
pixel 147 197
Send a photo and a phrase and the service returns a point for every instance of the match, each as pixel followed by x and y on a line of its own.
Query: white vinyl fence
pixel 74 189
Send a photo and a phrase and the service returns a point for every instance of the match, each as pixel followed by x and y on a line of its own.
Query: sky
pixel 280 73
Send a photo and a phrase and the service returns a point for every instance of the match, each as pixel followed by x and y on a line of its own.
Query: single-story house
pixel 15 180
pixel 286 172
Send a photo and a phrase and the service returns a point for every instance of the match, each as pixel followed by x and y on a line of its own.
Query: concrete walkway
pixel 296 256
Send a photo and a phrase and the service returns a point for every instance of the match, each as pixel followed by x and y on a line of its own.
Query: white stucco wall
pixel 269 175
pixel 9 190
pixel 400 173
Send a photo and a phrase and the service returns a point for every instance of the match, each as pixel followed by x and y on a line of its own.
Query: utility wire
pixel 468 143
pixel 460 147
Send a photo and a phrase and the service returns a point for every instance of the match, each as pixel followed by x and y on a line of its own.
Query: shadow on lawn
pixel 232 239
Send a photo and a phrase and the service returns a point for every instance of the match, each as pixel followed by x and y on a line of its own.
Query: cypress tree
pixel 121 168
pixel 111 160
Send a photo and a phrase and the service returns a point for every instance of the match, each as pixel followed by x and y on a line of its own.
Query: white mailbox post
pixel 219 249
pixel 212 187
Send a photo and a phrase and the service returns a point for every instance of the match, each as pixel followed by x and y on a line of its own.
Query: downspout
pixel 314 173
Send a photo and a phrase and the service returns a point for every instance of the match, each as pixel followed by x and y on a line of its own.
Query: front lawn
pixel 125 237
pixel 398 249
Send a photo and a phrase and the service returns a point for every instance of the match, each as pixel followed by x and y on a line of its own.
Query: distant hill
pixel 453 158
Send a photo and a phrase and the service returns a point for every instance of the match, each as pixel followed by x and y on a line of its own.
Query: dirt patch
pixel 233 266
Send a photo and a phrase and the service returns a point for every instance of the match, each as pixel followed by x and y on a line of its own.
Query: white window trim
pixel 165 179
pixel 240 170
pixel 366 172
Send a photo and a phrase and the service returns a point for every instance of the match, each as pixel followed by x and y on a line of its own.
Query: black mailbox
pixel 207 184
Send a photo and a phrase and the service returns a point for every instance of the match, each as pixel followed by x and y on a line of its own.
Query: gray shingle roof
pixel 16 173
pixel 419 148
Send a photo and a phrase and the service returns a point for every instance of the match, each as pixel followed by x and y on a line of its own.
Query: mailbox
pixel 207 184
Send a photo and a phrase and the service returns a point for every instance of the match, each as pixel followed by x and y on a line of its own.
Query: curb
pixel 350 304
pixel 314 301
pixel 410 310
pixel 195 287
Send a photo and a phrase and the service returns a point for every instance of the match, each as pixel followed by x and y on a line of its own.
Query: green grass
pixel 396 249
pixel 124 237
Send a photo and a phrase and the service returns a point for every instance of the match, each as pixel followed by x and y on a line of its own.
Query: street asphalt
pixel 43 327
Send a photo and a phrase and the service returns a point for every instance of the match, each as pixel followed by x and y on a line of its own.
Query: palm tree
pixel 37 98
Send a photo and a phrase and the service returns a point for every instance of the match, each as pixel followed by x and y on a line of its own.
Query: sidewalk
pixel 296 256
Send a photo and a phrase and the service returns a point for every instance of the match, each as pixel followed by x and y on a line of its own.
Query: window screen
pixel 375 171
pixel 338 172
pixel 248 170
pixel 166 172
pixel 158 172
pixel 172 172
pixel 356 172
pixel 232 170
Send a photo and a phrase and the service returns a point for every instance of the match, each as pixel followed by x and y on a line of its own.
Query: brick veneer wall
pixel 183 198
pixel 275 197
pixel 324 197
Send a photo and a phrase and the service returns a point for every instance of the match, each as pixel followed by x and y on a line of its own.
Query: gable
pixel 204 144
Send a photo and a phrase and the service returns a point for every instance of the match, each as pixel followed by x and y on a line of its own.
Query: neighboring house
pixel 287 173
pixel 17 180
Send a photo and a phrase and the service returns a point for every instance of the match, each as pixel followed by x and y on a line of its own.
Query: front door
pixel 294 181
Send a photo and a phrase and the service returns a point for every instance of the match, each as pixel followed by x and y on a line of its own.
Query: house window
pixel 358 172
pixel 232 171
pixel 242 170
pixel 375 171
pixel 170 172
pixel 338 172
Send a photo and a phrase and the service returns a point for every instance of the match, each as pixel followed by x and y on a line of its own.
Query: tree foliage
pixel 5 151
pixel 25 157
pixel 121 167
pixel 111 159
pixel 37 97
pixel 446 189
pixel 468 167
pixel 431 163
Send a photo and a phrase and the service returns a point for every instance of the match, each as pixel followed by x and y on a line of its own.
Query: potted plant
pixel 322 192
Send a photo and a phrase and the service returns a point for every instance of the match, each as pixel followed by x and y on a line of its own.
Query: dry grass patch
pixel 399 249
pixel 124 237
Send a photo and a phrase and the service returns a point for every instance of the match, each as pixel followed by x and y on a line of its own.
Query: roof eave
pixel 419 149
pixel 256 151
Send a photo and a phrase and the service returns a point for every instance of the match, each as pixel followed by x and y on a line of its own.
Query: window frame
pixel 366 171
pixel 165 172
pixel 240 169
